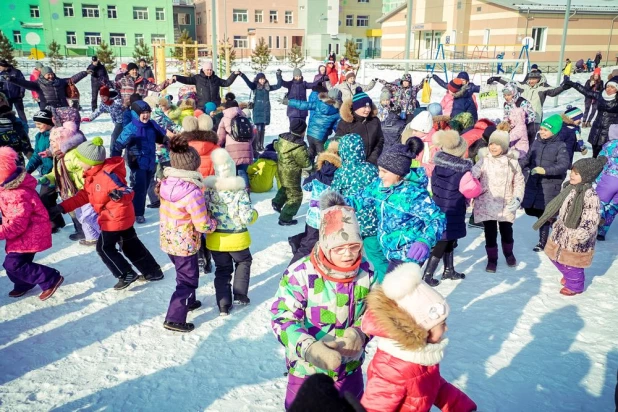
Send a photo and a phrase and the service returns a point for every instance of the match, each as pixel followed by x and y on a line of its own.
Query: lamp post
pixel 562 46
pixel 408 32
pixel 609 41
pixel 213 25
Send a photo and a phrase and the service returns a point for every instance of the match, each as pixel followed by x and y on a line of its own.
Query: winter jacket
pixel 140 140
pixel 25 223
pixel 519 102
pixel 241 152
pixel 568 134
pixel 476 133
pixel 501 181
pixel 13 134
pixel 349 90
pixel 404 374
pixel 324 115
pixel 319 77
pixel 207 87
pixel 99 76
pixel 352 177
pixel 261 99
pixel 204 143
pixel 550 154
pixel 11 90
pixel 310 308
pixel 146 72
pixel 318 182
pixel 262 172
pixel 331 72
pixel 607 107
pixel 297 90
pixel 115 109
pixel 53 92
pixel 368 128
pixel 34 76
pixel 451 185
pixel 229 204
pixel 447 104
pixel 113 215
pixel 183 213
pixel 164 121
pixel 43 164
pixel 184 112
pixel 536 95
pixel 593 86
pixel 518 134
pixel 575 247
pixel 463 100
pixel 129 85
pixel 610 150
pixel 404 97
pixel 292 158
pixel 392 127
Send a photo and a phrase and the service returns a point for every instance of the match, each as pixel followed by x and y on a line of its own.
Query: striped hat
pixel 361 99
pixel 574 113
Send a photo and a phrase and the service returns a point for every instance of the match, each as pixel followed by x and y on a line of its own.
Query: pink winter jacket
pixel 25 222
pixel 518 133
pixel 241 152
pixel 447 104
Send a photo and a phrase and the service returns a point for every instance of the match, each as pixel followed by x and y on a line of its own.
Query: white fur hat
pixel 423 122
pixel 190 124
pixel 205 123
pixel 223 163
pixel 450 142
pixel 405 286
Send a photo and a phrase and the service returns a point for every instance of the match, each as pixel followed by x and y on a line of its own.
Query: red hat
pixel 104 91
pixel 455 85
pixel 597 71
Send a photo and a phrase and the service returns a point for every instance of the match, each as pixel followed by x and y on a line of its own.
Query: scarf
pixel 141 129
pixel 331 272
pixel 574 214
pixel 65 185
pixel 607 97
pixel 185 175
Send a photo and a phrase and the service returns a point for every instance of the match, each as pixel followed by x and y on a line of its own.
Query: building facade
pixel 23 26
pixel 183 18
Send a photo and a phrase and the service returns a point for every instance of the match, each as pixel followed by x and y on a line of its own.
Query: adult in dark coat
pixel 261 89
pixel 145 71
pixel 607 107
pixel 297 90
pixel 13 92
pixel 98 78
pixel 595 84
pixel 359 115
pixel 207 84
pixel 597 59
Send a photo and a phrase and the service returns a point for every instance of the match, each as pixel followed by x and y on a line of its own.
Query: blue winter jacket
pixel 297 90
pixel 140 141
pixel 324 115
pixel 317 183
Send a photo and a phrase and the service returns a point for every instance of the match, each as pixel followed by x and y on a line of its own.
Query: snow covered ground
pixel 516 343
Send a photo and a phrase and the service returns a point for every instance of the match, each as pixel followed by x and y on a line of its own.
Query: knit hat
pixel 334 94
pixel 338 224
pixel 360 99
pixel 204 123
pixel 152 100
pixel 398 158
pixel 190 124
pixel 259 76
pixel 385 94
pixel 297 126
pixel 135 97
pixel 297 73
pixel 8 163
pixel 407 77
pixel 553 123
pixel 590 168
pixel 142 60
pixel 123 66
pixel 597 70
pixel 38 65
pixel 423 122
pixel 455 85
pixel 405 285
pixel 435 109
pixel 488 132
pixel 91 152
pixel 534 75
pixel 230 101
pixel 574 113
pixel 534 67
pixel 612 82
pixel 450 142
pixel 197 113
pixel 66 137
pixel 140 107
pixel 463 76
pixel 94 58
pixel 104 91
pixel 510 88
pixel 132 66
pixel 223 163
pixel 44 116
pixel 350 74
pixel 207 65
pixel 210 107
pixel 501 138
pixel 183 156
pixel 46 70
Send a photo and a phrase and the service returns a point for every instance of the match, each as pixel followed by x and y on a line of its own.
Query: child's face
pixel 405 84
pixel 104 99
pixel 42 126
pixel 544 133
pixel 611 90
pixel 575 178
pixel 388 178
pixel 144 117
pixel 363 111
pixel 346 255
pixel 508 97
pixel 436 333
pixel 262 80
pixel 298 78
pixel 85 167
pixel 463 82
pixel 495 149
pixel 385 103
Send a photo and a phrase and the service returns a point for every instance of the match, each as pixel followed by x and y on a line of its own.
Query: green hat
pixel 553 123
pixel 92 153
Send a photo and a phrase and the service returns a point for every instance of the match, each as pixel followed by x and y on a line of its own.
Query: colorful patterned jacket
pixel 115 110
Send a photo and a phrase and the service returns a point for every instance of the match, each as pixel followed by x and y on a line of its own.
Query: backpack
pixel 71 91
pixel 241 129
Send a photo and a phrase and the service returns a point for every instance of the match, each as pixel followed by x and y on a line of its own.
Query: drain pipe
pixel 609 41
pixel 563 45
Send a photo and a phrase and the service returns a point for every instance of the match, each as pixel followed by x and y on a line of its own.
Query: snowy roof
pixel 557 6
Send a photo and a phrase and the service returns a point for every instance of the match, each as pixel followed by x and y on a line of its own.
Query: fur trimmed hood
pixel 462 92
pixel 452 162
pixel 441 118
pixel 200 136
pixel 347 114
pixel 328 157
pixel 327 100
pixel 225 184
pixel 567 120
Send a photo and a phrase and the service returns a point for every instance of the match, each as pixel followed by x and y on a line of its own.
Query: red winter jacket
pixel 113 215
pixel 476 132
pixel 331 72
pixel 204 143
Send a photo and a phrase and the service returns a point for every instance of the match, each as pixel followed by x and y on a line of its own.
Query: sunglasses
pixel 353 249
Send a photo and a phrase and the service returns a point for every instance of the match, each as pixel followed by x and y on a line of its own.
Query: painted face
pixel 144 117
pixel 545 133
pixel 495 149
pixel 346 255
pixel 363 111
pixel 133 72
pixel 388 178
pixel 42 126
pixel 436 333
pixel 575 177
pixel 611 90
pixel 262 80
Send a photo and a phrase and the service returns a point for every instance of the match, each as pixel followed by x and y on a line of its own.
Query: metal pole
pixel 406 53
pixel 562 46
pixel 213 25
pixel 609 41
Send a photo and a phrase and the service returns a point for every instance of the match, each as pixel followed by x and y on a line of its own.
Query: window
pixel 117 39
pixel 198 20
pixel 71 38
pixel 486 36
pixel 111 12
pixel 90 11
pixel 285 42
pixel 428 39
pixel 34 12
pixel 139 38
pixel 140 13
pixel 359 44
pixel 259 16
pixel 92 38
pixel 289 17
pixel 16 37
pixel 184 19
pixel 479 9
pixel 277 44
pixel 68 10
pixel 157 38
pixel 363 1
pixel 270 42
pixel 539 34
pixel 240 16
pixel 349 20
pixel 273 16
pixel 241 42
pixel 160 14
pixel 362 21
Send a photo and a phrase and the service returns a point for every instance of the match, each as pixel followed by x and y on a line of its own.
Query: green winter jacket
pixel 293 156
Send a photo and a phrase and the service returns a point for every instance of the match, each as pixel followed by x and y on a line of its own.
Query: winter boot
pixel 178 326
pixel 543 236
pixel 507 249
pixel 225 310
pixel 241 300
pixel 449 268
pixel 432 265
pixel 261 133
pixel 49 292
pixel 79 232
pixel 195 305
pixel 125 280
pixel 492 259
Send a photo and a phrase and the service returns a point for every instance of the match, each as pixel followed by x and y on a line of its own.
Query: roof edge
pixel 392 13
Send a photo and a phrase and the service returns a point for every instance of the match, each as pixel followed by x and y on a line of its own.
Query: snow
pixel 516 343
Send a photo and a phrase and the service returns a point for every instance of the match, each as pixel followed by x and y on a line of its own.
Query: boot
pixel 492 259
pixel 449 268
pixel 261 140
pixel 543 236
pixel 432 265
pixel 507 249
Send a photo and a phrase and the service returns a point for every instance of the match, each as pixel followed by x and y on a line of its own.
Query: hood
pixel 352 149
pixel 454 163
pixel 347 114
pixel 112 165
pixel 174 189
pixel 291 138
pixel 512 87
pixel 269 152
pixel 462 92
pixel 441 118
pixel 232 112
pixel 327 100
pixel 482 124
pixel 418 176
pixel 331 158
pixel 199 136
pixel 567 120
pixel 22 180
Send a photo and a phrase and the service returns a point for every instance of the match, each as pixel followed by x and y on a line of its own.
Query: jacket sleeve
pixel 469 186
pixel 122 141
pixel 368 86
pixel 22 82
pixel 302 104
pixel 34 162
pixel 221 133
pixel 276 86
pixel 249 83
pixel 247 214
pixel 228 82
pixel 474 88
pixel 589 222
pixel 434 221
pixel 77 77
pixel 102 108
pixel 375 153
pixel 440 82
pixel 551 92
pixel 284 83
pixel 196 207
pixel 587 93
pixel 156 87
pixel 186 79
pixel 451 399
pixel 301 157
pixel 16 218
pixel 80 199
pixel 563 162
pixel 385 389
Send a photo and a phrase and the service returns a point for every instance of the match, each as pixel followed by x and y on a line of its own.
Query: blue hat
pixel 435 109
pixel 361 99
pixel 210 107
pixel 463 76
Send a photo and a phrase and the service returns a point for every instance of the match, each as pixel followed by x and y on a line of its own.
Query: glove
pixel 115 195
pixel 418 251
pixel 86 119
pixel 43 181
pixel 375 80
pixel 323 357
pixel 278 72
pixel 55 211
pixel 350 345
pixel 514 205
pixel 537 171
pixel 285 101
pixel 491 80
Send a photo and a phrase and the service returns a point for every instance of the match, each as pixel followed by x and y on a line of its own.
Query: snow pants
pixel 143 179
pixel 590 111
pixel 88 218
pixel 187 279
pixel 607 189
pixel 315 148
pixel 132 247
pixel 289 199
pixel 304 243
pixel 226 264
pixel 26 274
pixel 351 383
pixel 574 277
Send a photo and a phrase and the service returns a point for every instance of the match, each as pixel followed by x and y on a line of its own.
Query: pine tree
pixel 260 57
pixel 350 52
pixel 185 37
pixel 55 58
pixel 142 51
pixel 106 56
pixel 221 58
pixel 6 50
pixel 296 58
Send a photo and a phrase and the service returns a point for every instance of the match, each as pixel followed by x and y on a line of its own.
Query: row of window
pixel 361 21
pixel 92 11
pixel 274 42
pixel 115 39
pixel 242 16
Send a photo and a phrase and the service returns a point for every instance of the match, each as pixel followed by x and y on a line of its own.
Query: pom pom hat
pixel 8 163
pixel 183 156
pixel 91 152
pixel 450 142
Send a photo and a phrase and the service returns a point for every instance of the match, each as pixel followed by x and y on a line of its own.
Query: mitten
pixel 491 80
pixel 537 171
pixel 323 357
pixel 418 251
pixel 115 195
pixel 85 119
pixel 43 181
pixel 55 211
pixel 350 345
pixel 513 205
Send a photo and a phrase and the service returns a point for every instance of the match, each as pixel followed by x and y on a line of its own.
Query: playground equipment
pixel 160 59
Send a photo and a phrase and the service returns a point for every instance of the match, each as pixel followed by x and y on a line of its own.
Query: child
pixel 547 162
pixel 229 204
pixel 112 104
pixel 452 185
pixel 264 170
pixel 502 184
pixel 106 190
pixel 408 319
pixel 392 126
pixel 512 100
pixel 517 130
pixel 186 108
pixel 607 183
pixel 386 106
pixel 320 302
pixel 241 149
pixel 44 164
pixel 462 96
pixel 184 218
pixel 570 133
pixel 293 156
pixel 571 246
pixel 25 228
